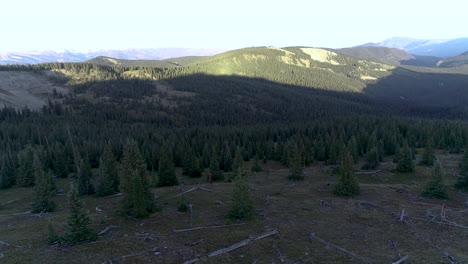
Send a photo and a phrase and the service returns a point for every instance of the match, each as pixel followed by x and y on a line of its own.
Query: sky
pixel 27 25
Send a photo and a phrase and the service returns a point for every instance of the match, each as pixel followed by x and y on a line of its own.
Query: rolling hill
pixel 167 63
pixel 426 47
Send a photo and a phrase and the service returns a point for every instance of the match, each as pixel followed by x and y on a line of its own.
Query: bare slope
pixel 25 89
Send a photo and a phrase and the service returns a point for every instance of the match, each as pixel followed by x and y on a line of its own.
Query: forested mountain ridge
pixel 157 152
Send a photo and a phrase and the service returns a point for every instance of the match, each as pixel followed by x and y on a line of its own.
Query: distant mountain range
pixel 34 57
pixel 426 47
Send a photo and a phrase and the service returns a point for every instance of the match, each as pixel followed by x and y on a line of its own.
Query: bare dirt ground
pixel 25 89
pixel 313 225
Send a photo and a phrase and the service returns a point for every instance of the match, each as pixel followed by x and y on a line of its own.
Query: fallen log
pixel 3 243
pixel 205 227
pixel 343 250
pixel 233 247
pixel 367 172
pixel 106 230
pixel 403 259
pixel 109 261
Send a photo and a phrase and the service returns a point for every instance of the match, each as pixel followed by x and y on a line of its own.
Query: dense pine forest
pixel 132 129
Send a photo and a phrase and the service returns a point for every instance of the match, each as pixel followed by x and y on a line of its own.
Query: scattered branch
pixel 106 230
pixel 279 253
pixel 205 227
pixel 343 250
pixel 22 213
pixel 130 255
pixel 115 195
pixel 367 172
pixel 403 216
pixel 362 202
pixel 233 247
pixel 191 214
pixel 403 259
pixel 3 243
pixel 324 203
pixel 450 258
pixel 10 202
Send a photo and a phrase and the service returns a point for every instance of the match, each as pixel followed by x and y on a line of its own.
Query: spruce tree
pixel 405 160
pixel 435 188
pixel 216 173
pixel 462 182
pixel 242 204
pixel 256 165
pixel 85 173
pixel 227 158
pixel 108 177
pixel 7 173
pixel 133 183
pixel 166 171
pixel 44 189
pixel 428 155
pixel 347 184
pixel 78 220
pixel 295 165
pixel 238 159
pixel 25 177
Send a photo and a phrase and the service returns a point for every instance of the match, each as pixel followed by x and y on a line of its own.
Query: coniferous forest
pixel 134 146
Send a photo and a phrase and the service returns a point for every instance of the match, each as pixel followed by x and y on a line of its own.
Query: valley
pixel 291 155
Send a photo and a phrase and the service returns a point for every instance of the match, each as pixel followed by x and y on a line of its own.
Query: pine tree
pixel 166 171
pixel 295 165
pixel 108 177
pixel 134 184
pixel 85 173
pixel 435 188
pixel 372 159
pixel 7 173
pixel 242 204
pixel 25 177
pixel 256 165
pixel 60 164
pixel 44 189
pixel 428 154
pixel 78 220
pixel 216 173
pixel 405 160
pixel 227 158
pixel 347 184
pixel 462 182
pixel 238 159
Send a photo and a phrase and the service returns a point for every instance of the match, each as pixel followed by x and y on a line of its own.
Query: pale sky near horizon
pixel 27 25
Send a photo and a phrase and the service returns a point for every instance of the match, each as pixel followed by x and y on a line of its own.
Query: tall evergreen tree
pixel 108 177
pixel 405 160
pixel 7 173
pixel 25 176
pixel 428 154
pixel 85 173
pixel 134 184
pixel 435 188
pixel 166 171
pixel 295 165
pixel 60 164
pixel 227 158
pixel 347 184
pixel 78 220
pixel 215 170
pixel 44 189
pixel 238 159
pixel 256 165
pixel 462 182
pixel 242 207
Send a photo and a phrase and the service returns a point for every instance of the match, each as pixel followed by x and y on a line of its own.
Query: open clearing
pixel 367 226
pixel 22 89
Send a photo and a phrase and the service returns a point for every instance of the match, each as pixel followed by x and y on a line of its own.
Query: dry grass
pixel 293 209
pixel 25 89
